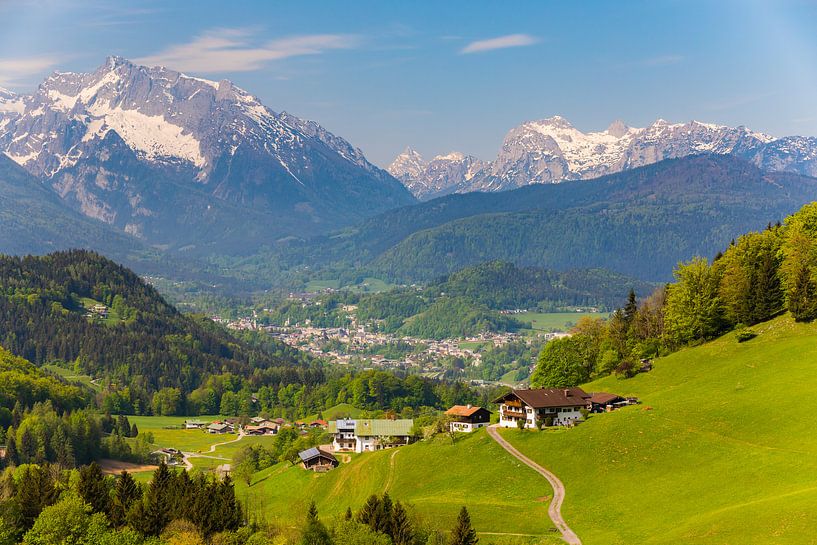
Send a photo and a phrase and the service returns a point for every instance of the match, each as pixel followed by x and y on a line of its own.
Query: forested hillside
pixel 759 276
pixel 639 222
pixel 143 342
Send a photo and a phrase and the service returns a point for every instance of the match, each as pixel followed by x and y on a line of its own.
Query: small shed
pixel 317 459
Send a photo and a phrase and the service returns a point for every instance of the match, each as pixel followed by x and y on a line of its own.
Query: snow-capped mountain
pixel 151 149
pixel 435 178
pixel 553 150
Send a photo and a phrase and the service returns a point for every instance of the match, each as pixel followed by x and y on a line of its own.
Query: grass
pixel 112 317
pixel 333 413
pixel 722 451
pixel 555 321
pixel 367 285
pixel 472 345
pixel 436 477
pixel 184 440
pixel 71 376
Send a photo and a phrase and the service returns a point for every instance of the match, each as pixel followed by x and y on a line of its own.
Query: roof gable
pixel 541 398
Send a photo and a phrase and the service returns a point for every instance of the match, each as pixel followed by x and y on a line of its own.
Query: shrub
pixel 745 334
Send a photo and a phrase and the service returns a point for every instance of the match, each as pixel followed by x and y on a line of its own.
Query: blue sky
pixel 454 75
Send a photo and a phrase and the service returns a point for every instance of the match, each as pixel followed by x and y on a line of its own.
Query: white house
pixel 467 418
pixel 365 435
pixel 543 406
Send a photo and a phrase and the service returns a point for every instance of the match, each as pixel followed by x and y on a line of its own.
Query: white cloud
pixel 502 42
pixel 16 71
pixel 231 50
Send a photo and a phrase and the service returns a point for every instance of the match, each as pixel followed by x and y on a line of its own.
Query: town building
pixel 467 418
pixel 219 427
pixel 365 435
pixel 194 424
pixel 318 460
pixel 542 406
pixel 265 427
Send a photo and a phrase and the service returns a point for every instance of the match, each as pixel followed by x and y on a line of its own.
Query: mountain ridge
pixel 552 150
pixel 129 145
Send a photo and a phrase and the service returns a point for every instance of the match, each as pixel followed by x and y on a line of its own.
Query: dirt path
pixel 187 455
pixel 390 478
pixel 555 509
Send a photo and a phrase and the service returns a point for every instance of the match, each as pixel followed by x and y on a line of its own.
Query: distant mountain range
pixel 182 162
pixel 552 150
pixel 638 222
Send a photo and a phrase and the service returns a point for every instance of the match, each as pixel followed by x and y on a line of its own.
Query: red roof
pixel 463 410
pixel 603 398
pixel 542 398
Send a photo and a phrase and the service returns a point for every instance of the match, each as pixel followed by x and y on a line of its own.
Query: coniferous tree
pixel 126 492
pixel 402 532
pixel 35 490
pixel 368 513
pixel 314 532
pixel 463 533
pixel 630 308
pixel 28 447
pixel 348 515
pixel 134 431
pixel 93 488
pixel 12 457
pixel 63 449
pixel 383 514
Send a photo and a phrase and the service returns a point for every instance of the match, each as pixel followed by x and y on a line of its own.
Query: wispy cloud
pixel 501 42
pixel 232 50
pixel 21 70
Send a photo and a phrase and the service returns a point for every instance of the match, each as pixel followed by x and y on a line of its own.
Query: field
pixel 437 477
pixel 184 440
pixel 555 321
pixel 71 376
pixel 367 285
pixel 722 451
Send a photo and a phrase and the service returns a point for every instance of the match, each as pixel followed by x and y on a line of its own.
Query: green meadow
pixel 555 321
pixel 723 449
pixel 167 432
pixel 505 498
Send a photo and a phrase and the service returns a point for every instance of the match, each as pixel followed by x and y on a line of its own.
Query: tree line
pixel 758 277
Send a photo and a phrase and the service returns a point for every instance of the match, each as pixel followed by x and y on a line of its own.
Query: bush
pixel 745 334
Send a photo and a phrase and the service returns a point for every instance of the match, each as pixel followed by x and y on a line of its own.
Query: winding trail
pixel 390 478
pixel 187 455
pixel 555 508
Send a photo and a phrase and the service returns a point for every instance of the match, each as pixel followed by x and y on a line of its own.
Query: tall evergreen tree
pixel 630 308
pixel 35 490
pixel 93 488
pixel 314 532
pixel 463 533
pixel 12 456
pixel 126 492
pixel 402 532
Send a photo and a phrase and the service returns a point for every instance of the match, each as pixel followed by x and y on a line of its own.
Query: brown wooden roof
pixel 464 410
pixel 542 398
pixel 603 398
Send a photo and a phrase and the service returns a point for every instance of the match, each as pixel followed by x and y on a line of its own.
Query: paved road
pixel 187 455
pixel 555 509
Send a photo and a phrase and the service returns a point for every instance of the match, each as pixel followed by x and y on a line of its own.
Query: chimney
pixel 567 392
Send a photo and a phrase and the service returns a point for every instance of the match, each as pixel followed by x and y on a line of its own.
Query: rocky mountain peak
pixel 617 128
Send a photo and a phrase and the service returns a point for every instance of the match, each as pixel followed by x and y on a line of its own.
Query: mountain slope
pixel 552 150
pixel 639 222
pixel 35 220
pixel 47 313
pixel 727 462
pixel 435 178
pixel 175 160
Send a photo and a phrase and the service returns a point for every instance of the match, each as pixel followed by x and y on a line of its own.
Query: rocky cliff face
pixel 553 150
pixel 151 149
pixel 440 176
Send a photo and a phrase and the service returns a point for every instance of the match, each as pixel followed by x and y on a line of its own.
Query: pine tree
pixel 28 447
pixel 402 532
pixel 134 431
pixel 383 516
pixel 93 488
pixel 35 490
pixel 12 457
pixel 348 515
pixel 368 514
pixel 630 308
pixel 126 492
pixel 463 533
pixel 63 449
pixel 314 532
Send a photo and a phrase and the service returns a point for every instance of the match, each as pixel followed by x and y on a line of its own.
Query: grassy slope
pixel 555 321
pixel 436 477
pixel 726 454
pixel 185 440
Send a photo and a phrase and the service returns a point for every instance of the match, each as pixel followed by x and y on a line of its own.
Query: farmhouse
pixel 543 406
pixel 219 427
pixel 194 424
pixel 369 435
pixel 263 428
pixel 317 459
pixel 467 418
